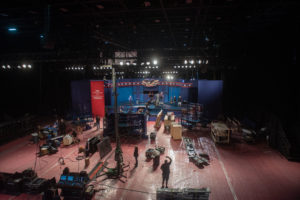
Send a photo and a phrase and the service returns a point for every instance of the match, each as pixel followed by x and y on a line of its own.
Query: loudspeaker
pixel 104 147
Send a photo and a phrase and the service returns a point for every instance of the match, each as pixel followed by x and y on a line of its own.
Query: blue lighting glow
pixel 41 36
pixel 12 29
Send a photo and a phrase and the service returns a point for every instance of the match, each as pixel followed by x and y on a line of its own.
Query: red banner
pixel 97 98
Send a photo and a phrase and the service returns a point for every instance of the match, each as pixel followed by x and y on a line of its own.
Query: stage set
pixel 136 93
pixel 95 158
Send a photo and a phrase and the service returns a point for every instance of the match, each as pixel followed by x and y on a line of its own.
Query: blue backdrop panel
pixel 210 94
pixel 124 93
pixel 81 97
pixel 174 91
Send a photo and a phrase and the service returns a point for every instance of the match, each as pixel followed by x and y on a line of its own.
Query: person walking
pixel 136 155
pixel 166 171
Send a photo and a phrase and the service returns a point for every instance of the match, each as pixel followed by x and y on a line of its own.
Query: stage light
pixel 155 62
pixel 8 66
pixel 41 36
pixel 3 66
pixel 192 61
pixel 148 63
pixel 185 62
pixel 127 63
pixel 206 61
pixel 121 63
pixel 24 66
pixel 19 67
pixel 182 66
pixel 134 64
pixel 186 66
pixel 29 66
pixel 156 67
pixel 142 63
pixel 12 29
pixel 199 61
pixel 94 68
pixel 190 66
pixel 175 66
pixel 194 66
pixel 72 68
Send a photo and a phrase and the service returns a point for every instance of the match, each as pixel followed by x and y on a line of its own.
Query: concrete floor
pixel 236 171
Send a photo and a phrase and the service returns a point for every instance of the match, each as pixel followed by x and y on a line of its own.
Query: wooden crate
pixel 176 131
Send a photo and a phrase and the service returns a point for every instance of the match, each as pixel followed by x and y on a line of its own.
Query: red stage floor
pixel 236 171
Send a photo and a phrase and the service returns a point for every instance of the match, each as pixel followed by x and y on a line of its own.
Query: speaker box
pixel 104 147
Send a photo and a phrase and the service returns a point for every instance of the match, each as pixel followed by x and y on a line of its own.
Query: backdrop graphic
pixel 92 96
pixel 97 98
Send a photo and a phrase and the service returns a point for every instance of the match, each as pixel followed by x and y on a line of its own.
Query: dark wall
pixel 265 79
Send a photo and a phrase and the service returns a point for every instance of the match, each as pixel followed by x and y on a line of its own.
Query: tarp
pixel 210 94
pixel 81 98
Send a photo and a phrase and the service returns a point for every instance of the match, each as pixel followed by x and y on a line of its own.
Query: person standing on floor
pixel 166 171
pixel 136 155
pixel 98 122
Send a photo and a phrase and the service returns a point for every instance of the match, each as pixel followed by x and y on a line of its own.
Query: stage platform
pixel 236 171
pixel 153 110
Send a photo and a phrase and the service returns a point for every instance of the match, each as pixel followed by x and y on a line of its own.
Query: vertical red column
pixel 97 98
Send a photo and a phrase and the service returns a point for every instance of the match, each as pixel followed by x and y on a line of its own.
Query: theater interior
pixel 149 99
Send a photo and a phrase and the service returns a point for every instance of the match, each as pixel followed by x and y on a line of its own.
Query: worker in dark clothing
pixel 136 155
pixel 166 171
pixel 98 122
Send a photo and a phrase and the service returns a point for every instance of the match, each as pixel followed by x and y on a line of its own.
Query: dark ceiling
pixel 70 32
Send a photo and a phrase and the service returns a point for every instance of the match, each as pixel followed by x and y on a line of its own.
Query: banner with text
pixel 97 98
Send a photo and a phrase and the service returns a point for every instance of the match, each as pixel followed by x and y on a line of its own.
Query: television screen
pixel 63 178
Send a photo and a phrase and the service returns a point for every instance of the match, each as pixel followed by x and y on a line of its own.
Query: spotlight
pixel 19 67
pixel 199 61
pixel 194 66
pixel 121 63
pixel 185 62
pixel 29 66
pixel 155 62
pixel 206 61
pixel 148 63
pixel 134 64
pixel 190 66
pixel 72 68
pixel 3 66
pixel 24 66
pixel 127 63
pixel 146 67
pixel 175 66
pixel 8 66
pixel 186 66
pixel 94 68
pixel 156 67
pixel 142 63
pixel 192 61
